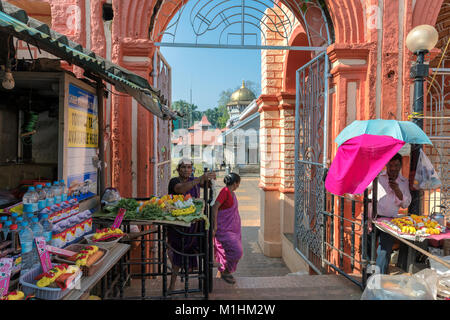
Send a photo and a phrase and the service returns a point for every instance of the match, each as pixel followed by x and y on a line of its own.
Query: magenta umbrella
pixel 358 161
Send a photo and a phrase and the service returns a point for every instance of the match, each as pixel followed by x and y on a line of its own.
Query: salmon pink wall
pixel 369 67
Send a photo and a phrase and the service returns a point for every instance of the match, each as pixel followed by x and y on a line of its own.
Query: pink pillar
pixel 269 232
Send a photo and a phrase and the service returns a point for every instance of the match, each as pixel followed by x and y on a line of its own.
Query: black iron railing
pixel 155 267
pixel 341 251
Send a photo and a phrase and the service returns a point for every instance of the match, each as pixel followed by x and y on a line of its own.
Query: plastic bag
pixel 443 291
pixel 216 190
pixel 401 287
pixel 110 196
pixel 426 177
pixel 440 268
pixel 431 279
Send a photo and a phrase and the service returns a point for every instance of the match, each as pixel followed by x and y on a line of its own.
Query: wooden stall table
pixel 413 242
pixel 114 256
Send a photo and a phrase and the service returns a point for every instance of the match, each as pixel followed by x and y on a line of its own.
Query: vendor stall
pixel 159 214
pixel 416 232
pixel 365 149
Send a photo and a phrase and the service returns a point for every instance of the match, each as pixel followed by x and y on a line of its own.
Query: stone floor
pixel 257 276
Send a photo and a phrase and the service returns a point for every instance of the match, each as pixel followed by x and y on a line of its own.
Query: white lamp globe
pixel 423 37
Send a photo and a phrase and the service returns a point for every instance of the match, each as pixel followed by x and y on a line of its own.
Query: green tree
pixel 212 116
pixel 223 118
pixel 189 111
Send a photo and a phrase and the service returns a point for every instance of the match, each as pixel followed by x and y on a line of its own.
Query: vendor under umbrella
pixel 393 194
pixel 184 184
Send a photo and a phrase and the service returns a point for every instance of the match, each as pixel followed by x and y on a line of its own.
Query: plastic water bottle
pixel 28 217
pixel 63 187
pixel 48 227
pixel 19 221
pixel 42 197
pixel 38 231
pixel 50 197
pixel 61 190
pixel 14 237
pixel 46 211
pixel 26 242
pixel 56 192
pixel 5 229
pixel 14 216
pixel 30 201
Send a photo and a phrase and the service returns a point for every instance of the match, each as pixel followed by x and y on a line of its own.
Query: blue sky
pixel 210 71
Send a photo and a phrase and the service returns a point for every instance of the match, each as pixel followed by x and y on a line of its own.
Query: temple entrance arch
pixel 289 35
pixel 240 24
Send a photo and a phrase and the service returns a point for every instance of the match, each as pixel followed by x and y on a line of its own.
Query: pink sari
pixel 228 239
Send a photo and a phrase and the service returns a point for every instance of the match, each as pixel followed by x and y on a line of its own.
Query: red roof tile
pixel 206 137
pixel 205 121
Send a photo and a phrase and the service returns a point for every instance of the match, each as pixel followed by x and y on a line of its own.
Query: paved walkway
pixel 264 278
pixel 254 263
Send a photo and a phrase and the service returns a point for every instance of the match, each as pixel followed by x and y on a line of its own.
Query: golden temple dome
pixel 242 96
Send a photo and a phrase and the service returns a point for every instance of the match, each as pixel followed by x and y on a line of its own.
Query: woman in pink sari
pixel 227 228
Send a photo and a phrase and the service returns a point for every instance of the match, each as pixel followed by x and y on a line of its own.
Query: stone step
pixel 287 287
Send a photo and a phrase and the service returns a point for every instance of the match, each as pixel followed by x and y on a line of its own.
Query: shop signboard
pixel 82 141
pixel 119 218
pixel 44 255
pixel 5 273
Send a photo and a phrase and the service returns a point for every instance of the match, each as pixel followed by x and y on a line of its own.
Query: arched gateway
pixel 324 64
pixel 292 37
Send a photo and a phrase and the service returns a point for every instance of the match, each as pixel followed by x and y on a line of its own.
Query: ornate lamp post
pixel 420 41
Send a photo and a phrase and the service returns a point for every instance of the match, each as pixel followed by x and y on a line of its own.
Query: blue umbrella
pixel 402 130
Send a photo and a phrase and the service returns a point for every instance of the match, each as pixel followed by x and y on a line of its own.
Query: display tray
pixel 29 286
pixel 381 222
pixel 184 221
pixel 87 271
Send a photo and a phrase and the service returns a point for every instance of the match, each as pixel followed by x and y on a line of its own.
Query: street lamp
pixel 420 41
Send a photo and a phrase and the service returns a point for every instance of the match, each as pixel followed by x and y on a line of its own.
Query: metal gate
pixel 437 127
pixel 162 74
pixel 311 124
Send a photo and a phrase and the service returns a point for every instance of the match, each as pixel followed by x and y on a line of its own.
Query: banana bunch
pixel 409 229
pixel 185 211
pixel 433 231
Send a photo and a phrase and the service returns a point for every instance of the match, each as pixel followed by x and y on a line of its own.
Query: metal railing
pixel 437 127
pixel 346 250
pixel 152 257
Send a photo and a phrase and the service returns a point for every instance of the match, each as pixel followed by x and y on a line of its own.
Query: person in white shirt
pixel 393 194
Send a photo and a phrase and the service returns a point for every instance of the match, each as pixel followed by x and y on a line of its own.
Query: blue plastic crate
pixel 29 286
